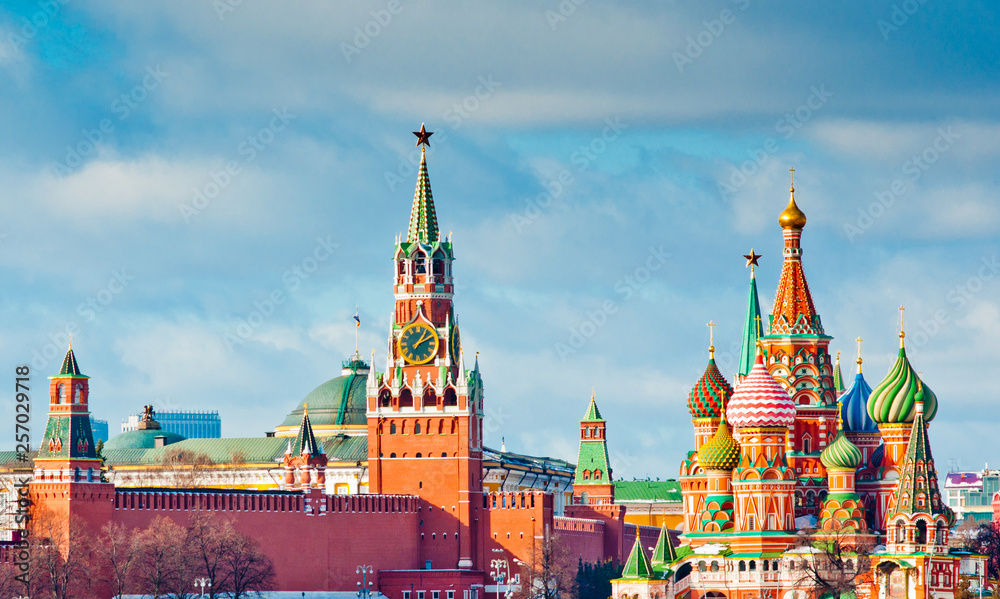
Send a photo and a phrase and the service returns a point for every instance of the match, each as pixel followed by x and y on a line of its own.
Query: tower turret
pixel 593 484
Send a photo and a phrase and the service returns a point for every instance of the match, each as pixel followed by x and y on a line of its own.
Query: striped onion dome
pixel 854 407
pixel 841 454
pixel 894 400
pixel 721 452
pixel 760 400
pixel 710 393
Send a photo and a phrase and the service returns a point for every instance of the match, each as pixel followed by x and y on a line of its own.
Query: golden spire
pixel 305 408
pixel 859 340
pixel 902 334
pixel 71 341
pixel 791 217
pixel 711 339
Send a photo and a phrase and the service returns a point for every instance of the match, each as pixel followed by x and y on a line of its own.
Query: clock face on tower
pixel 454 345
pixel 418 343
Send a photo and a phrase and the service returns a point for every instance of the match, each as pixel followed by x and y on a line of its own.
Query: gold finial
pixel 71 340
pixel 902 334
pixel 791 217
pixel 859 340
pixel 722 415
pixel 305 408
pixel 759 330
pixel 593 395
pixel 711 339
pixel 840 416
pixel 791 172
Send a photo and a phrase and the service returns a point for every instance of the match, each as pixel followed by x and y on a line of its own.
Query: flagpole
pixel 357 325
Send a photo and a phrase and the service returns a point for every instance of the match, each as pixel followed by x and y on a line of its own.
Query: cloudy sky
pixel 167 167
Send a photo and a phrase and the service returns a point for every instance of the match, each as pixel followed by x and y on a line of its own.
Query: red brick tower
pixel 798 357
pixel 425 412
pixel 67 481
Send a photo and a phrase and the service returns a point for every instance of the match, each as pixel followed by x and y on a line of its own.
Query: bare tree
pixel 833 562
pixel 248 568
pixel 10 585
pixel 987 542
pixel 550 572
pixel 164 568
pixel 61 556
pixel 117 553
pixel 207 537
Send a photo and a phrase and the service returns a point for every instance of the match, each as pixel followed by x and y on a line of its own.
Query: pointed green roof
pixel 664 552
pixel 423 219
pixel 917 490
pixel 637 565
pixel 748 351
pixel 305 440
pixel 838 377
pixel 69 365
pixel 593 414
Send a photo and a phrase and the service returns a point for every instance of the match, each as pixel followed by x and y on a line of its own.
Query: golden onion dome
pixel 791 217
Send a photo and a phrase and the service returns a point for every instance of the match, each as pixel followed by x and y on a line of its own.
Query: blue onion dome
pixel 841 454
pixel 877 456
pixel 894 400
pixel 854 408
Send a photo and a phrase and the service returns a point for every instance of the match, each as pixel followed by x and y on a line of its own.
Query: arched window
pixel 419 455
pixel 743 566
pixel 416 429
pixel 450 398
pixel 405 399
pixel 392 429
pixel 61 394
pixel 715 566
pixel 702 566
pixel 421 263
pixel 384 398
pixel 900 533
pixel 753 565
pixel 805 444
pixel 765 564
pixel 586 432
pixel 921 532
pixel 78 393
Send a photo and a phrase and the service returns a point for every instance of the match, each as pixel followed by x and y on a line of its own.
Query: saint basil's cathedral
pixel 781 449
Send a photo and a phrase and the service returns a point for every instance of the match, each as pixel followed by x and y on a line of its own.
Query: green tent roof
pixel 637 565
pixel 648 490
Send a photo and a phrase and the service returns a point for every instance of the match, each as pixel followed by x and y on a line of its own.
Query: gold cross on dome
pixel 791 171
pixel 711 332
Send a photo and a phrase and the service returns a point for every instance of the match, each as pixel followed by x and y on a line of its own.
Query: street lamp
pixel 364 590
pixel 500 572
pixel 203 582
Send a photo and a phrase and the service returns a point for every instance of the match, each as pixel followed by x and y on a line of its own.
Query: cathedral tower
pixel 798 356
pixel 425 411
pixel 593 484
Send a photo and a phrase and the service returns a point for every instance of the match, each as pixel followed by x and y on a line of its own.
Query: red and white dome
pixel 760 401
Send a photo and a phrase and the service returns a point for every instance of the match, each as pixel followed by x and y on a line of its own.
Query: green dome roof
pixel 721 452
pixel 894 400
pixel 341 401
pixel 141 439
pixel 841 454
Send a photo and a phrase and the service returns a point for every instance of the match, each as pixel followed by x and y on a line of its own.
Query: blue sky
pixel 167 166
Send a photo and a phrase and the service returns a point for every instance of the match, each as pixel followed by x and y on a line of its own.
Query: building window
pixel 392 428
pixel 406 594
pixel 420 594
pixel 416 429
pixel 586 432
pixel 451 594
pixel 435 594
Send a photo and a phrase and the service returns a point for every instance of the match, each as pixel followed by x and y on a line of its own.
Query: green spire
pixel 593 414
pixel 917 491
pixel 69 365
pixel 423 220
pixel 664 553
pixel 838 377
pixel 593 466
pixel 637 565
pixel 751 328
pixel 305 440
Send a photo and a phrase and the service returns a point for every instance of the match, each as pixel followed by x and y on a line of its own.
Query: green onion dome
pixel 710 393
pixel 894 400
pixel 841 454
pixel 721 452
